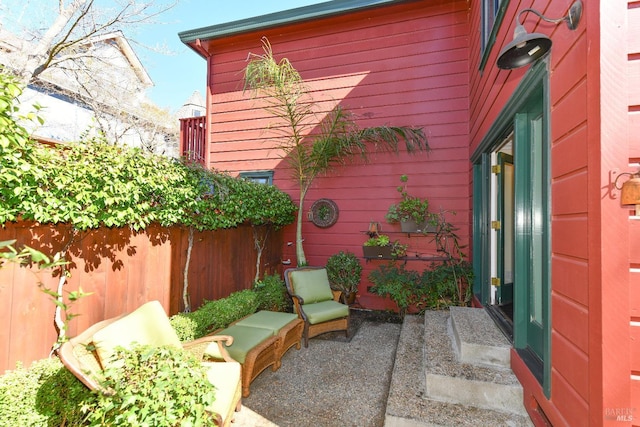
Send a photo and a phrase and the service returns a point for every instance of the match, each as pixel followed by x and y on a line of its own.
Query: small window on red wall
pixel 261 177
pixel 491 16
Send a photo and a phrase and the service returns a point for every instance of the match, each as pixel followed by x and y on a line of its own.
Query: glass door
pixel 512 222
pixel 532 249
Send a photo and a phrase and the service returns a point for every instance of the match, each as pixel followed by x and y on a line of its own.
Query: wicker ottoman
pixel 255 348
pixel 286 326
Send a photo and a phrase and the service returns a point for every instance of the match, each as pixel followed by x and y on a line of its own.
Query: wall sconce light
pixel 630 191
pixel 527 48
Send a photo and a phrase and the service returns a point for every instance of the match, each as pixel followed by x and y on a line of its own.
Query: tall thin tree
pixel 314 147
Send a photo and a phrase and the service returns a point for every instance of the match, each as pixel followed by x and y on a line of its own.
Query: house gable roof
pixel 127 51
pixel 286 17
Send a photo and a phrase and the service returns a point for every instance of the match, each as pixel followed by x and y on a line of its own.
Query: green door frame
pixel 535 84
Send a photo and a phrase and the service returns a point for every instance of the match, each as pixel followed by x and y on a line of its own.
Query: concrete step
pixel 450 380
pixel 477 339
pixel 408 404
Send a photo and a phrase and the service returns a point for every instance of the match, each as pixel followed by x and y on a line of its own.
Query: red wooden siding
pixel 407 66
pixel 122 269
pixel 633 118
pixel 592 128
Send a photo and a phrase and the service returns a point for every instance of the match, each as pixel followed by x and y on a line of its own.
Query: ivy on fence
pixel 92 183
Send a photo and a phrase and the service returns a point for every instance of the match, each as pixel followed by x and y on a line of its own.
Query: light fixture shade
pixel 524 49
pixel 630 194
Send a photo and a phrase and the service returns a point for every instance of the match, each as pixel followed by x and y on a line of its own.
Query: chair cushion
pixel 225 377
pixel 271 320
pixel 324 311
pixel 147 325
pixel 311 285
pixel 245 338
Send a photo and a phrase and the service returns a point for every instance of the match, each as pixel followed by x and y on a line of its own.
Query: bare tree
pixel 78 50
pixel 75 23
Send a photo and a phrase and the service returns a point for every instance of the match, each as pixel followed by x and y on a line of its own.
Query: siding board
pixel 572 363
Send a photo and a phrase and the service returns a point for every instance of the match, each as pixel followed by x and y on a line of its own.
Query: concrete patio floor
pixel 374 378
pixel 334 382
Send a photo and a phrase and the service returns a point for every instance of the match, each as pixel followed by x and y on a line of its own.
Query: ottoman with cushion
pixel 255 348
pixel 286 326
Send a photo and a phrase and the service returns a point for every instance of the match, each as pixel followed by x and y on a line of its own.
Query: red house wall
pixel 405 66
pixel 593 258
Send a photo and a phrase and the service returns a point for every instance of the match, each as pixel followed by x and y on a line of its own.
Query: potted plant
pixel 411 212
pixel 344 271
pixel 380 246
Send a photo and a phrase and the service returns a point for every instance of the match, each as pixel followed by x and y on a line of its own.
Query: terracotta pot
pixel 348 298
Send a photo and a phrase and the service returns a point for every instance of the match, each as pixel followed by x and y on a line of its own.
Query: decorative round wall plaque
pixel 323 213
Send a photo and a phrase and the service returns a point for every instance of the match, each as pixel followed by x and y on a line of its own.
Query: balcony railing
pixel 193 139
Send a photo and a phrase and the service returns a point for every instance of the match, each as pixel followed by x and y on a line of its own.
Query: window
pixel 489 12
pixel 491 15
pixel 261 177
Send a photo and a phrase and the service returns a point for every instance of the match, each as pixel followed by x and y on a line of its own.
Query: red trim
pixel 541 411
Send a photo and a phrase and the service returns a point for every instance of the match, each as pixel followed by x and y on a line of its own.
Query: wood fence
pixel 121 269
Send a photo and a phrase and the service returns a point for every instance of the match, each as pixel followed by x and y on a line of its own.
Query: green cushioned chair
pixel 88 353
pixel 314 301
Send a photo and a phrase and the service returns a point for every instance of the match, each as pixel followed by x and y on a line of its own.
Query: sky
pixel 178 75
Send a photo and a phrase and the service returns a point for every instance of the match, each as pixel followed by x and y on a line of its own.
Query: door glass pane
pixel 507 225
pixel 537 221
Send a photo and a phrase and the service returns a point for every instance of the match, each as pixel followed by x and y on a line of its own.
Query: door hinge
pixel 495 281
pixel 495 225
pixel 495 169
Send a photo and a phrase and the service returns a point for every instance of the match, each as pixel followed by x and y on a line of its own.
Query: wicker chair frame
pixel 79 357
pixel 310 331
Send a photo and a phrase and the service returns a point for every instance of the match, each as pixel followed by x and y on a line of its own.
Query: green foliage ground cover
pixel 267 294
pixel 47 394
pixel 154 386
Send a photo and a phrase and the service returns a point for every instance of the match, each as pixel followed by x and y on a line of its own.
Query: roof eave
pixel 286 17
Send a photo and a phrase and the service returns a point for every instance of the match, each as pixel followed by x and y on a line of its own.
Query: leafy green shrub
pixel 18 153
pixel 46 394
pixel 448 283
pixel 272 294
pixel 441 285
pixel 155 386
pixel 92 183
pixel 184 325
pixel 344 271
pixel 398 283
pixel 214 315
